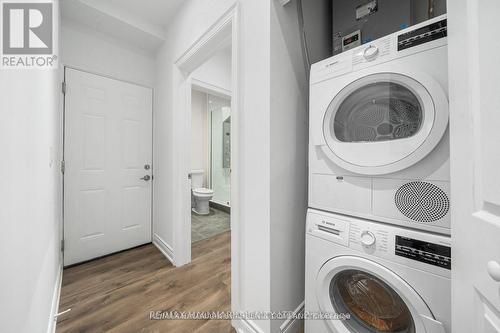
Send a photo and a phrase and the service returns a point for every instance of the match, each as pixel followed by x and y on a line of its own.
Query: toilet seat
pixel 203 192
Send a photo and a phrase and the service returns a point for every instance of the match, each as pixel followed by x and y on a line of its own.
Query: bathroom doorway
pixel 210 158
pixel 220 150
pixel 222 35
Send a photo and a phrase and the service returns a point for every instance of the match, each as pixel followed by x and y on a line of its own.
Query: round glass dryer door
pixel 385 122
pixel 370 297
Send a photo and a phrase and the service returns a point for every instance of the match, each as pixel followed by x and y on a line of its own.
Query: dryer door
pixel 385 122
pixel 369 298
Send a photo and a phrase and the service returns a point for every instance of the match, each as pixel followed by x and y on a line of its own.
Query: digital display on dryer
pixel 429 253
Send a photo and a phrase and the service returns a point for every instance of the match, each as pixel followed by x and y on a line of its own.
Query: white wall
pixel 318 27
pixel 216 71
pixel 195 17
pixel 29 196
pixel 90 50
pixel 199 133
pixel 288 19
pixel 289 146
pixel 30 201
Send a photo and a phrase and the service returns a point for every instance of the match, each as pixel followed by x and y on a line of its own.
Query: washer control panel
pixel 413 248
pixel 429 253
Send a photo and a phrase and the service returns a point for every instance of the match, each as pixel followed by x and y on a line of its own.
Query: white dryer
pixel 375 277
pixel 379 145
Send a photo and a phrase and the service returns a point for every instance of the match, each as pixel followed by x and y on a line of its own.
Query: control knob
pixel 370 53
pixel 368 238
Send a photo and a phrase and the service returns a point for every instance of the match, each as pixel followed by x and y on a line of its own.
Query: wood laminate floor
pixel 117 293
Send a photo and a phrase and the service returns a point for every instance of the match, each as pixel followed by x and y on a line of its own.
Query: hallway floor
pixel 207 226
pixel 117 293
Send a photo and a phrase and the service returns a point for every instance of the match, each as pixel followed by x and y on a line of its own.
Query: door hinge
pixel 62 245
pixel 63 87
pixel 63 167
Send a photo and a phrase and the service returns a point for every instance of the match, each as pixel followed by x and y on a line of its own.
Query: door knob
pixel 494 270
pixel 146 178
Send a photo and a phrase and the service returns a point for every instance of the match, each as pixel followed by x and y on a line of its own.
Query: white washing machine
pixel 379 143
pixel 376 277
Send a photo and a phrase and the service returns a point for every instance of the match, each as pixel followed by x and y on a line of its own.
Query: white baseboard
pixel 164 248
pixel 246 326
pixel 51 327
pixel 292 325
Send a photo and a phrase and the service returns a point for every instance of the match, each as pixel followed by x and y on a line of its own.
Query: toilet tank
pixel 197 178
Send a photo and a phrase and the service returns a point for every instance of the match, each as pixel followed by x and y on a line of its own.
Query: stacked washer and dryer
pixel 377 240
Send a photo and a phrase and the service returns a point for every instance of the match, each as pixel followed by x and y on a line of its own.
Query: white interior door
pixel 108 152
pixel 475 161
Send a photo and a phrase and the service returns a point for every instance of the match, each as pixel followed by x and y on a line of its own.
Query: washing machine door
pixel 385 122
pixel 371 299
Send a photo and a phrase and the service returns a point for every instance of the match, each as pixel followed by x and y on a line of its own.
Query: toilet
pixel 200 195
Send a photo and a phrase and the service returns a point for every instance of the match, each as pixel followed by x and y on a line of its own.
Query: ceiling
pixel 141 23
pixel 158 12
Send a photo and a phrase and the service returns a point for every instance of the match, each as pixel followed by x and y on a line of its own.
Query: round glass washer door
pixel 385 122
pixel 375 299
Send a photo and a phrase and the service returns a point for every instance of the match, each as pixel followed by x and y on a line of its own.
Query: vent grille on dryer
pixel 422 201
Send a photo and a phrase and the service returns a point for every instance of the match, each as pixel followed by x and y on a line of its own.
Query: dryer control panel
pixel 413 40
pixel 428 33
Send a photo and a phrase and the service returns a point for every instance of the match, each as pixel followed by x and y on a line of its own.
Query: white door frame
pixel 216 37
pixel 63 135
pixel 211 89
